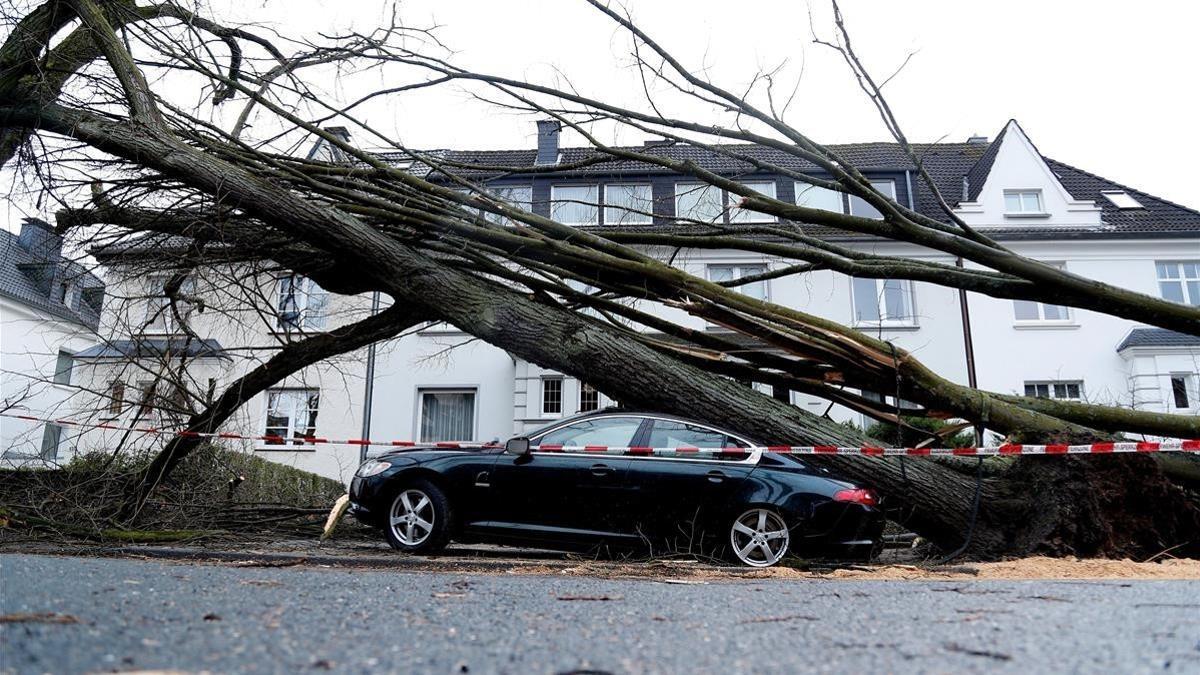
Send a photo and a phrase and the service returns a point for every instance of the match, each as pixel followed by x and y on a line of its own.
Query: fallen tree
pixel 360 223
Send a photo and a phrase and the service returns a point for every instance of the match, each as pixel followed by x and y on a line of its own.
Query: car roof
pixel 634 412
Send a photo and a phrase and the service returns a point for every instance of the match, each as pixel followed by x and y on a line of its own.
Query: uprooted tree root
pixel 214 491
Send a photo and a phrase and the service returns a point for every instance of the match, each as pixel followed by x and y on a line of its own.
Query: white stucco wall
pixel 29 344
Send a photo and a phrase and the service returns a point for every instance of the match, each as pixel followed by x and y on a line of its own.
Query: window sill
pixel 285 448
pixel 886 326
pixel 1034 216
pixel 1045 325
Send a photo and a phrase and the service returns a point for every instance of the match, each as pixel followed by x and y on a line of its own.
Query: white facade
pixel 440 384
pixel 33 346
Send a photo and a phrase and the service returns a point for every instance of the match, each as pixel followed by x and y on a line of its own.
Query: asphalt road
pixel 136 615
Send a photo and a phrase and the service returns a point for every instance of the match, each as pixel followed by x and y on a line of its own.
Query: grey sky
pixel 1107 86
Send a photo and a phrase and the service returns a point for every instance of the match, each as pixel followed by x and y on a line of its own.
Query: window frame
pixel 739 272
pixel 577 203
pixel 891 194
pixel 433 389
pixel 500 193
pixel 579 398
pixel 735 215
pixel 683 188
pixel 880 304
pixel 1042 321
pixel 797 189
pixel 290 442
pixel 1050 389
pixel 544 389
pixel 1186 283
pixel 1190 390
pixel 306 319
pixel 51 441
pixel 156 300
pixel 63 372
pixel 639 217
pixel 1020 193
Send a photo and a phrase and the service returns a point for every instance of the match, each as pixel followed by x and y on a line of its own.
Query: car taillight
pixel 857 496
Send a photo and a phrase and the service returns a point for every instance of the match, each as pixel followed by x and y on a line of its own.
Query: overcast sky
pixel 1109 87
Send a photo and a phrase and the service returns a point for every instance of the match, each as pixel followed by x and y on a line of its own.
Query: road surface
pixel 73 615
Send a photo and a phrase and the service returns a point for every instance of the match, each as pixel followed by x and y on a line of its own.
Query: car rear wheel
pixel 759 538
pixel 419 519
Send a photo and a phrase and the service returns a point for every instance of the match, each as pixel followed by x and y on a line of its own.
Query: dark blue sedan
pixel 561 487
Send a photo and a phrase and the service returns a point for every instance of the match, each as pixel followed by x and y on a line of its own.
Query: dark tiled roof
pixel 1157 337
pixel 32 277
pixel 978 174
pixel 153 347
pixel 947 163
pixel 490 163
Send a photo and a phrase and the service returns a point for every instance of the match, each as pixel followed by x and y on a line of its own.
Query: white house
pixel 439 384
pixel 49 307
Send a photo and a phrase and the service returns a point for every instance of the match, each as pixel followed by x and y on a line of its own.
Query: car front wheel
pixel 419 519
pixel 759 538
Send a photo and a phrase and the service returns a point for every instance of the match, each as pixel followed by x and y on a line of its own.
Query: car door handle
pixel 716 477
pixel 601 470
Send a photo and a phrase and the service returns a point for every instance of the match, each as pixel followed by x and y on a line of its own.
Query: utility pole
pixel 369 386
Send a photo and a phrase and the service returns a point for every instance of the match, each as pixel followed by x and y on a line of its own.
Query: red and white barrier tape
pixel 868 451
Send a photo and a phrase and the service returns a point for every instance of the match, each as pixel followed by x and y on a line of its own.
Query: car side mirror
pixel 517 446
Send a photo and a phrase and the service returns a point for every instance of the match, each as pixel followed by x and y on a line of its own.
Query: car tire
pixel 759 537
pixel 418 518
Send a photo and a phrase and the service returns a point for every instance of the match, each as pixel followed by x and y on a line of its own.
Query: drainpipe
pixel 968 347
pixel 369 386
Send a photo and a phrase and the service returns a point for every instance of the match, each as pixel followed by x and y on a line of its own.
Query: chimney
pixel 38 237
pixel 978 140
pixel 547 142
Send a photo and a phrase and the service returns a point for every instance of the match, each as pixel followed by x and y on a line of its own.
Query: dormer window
pixel 1122 200
pixel 1026 203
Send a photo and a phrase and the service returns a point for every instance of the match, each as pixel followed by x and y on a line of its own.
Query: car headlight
pixel 372 468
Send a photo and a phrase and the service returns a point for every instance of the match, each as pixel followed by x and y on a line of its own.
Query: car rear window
pixel 672 434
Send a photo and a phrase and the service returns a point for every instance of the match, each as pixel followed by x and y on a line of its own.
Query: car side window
pixel 615 432
pixel 672 434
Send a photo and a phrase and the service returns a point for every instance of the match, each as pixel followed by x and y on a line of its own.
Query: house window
pixel 698 201
pixel 589 397
pixel 1030 311
pixel 575 204
pixel 291 414
pixel 51 438
pixel 446 414
pixel 518 196
pixel 860 207
pixel 814 197
pixel 1179 281
pixel 1183 389
pixel 552 395
pixel 883 302
pixel 160 316
pixel 1018 202
pixel 1122 200
pixel 725 273
pixel 91 300
pixel 301 304
pixel 116 398
pixel 628 204
pixel 1062 391
pixel 63 366
pixel 739 215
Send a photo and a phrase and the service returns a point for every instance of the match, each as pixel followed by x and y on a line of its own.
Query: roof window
pixel 1122 200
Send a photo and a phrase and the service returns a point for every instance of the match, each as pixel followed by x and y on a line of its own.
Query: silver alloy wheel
pixel 759 537
pixel 412 517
